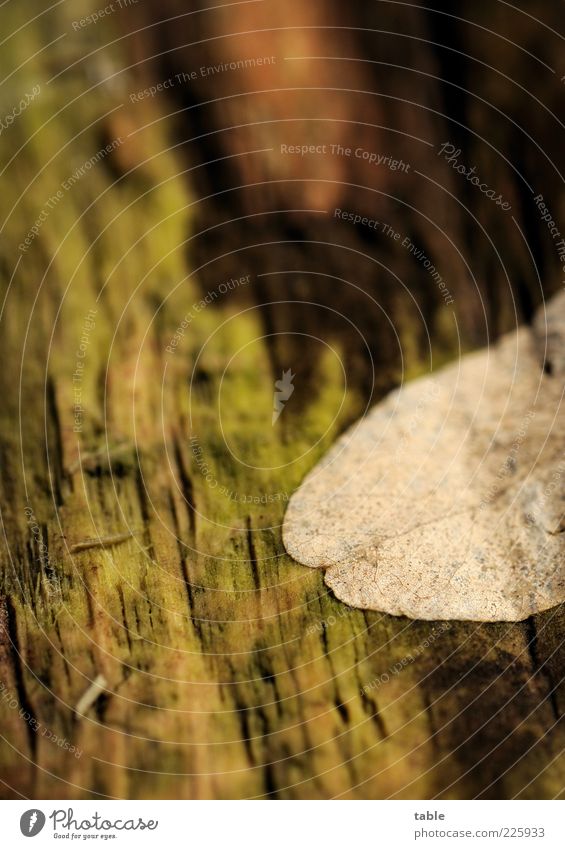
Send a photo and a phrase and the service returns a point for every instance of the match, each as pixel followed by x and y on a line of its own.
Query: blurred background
pixel 396 80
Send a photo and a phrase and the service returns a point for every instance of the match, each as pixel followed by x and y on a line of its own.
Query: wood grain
pixel 232 672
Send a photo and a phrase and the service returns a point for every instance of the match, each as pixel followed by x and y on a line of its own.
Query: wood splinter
pixel 91 695
pixel 103 457
pixel 100 542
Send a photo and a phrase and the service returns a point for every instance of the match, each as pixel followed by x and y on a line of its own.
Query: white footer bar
pixel 284 824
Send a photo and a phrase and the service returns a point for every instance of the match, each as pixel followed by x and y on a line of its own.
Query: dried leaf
pixel 447 500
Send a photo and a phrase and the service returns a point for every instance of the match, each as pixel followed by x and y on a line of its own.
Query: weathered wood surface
pixel 231 670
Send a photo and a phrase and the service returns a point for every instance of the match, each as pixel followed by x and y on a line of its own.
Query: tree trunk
pixel 143 483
